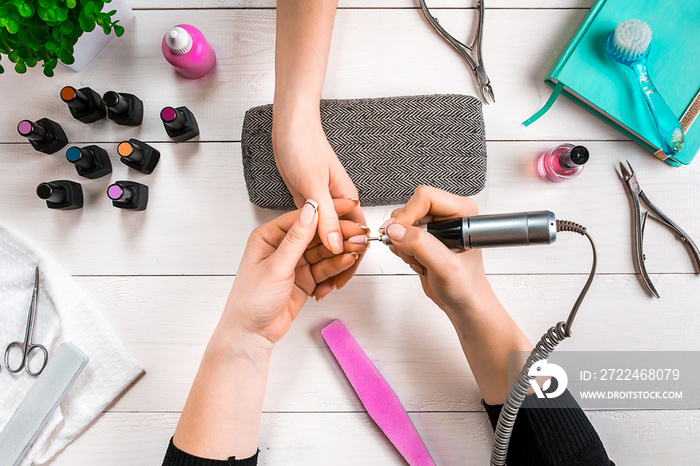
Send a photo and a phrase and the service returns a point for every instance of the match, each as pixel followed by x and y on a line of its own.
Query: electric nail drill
pixel 498 230
pixel 512 229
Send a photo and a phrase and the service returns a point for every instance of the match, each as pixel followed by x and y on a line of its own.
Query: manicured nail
pixel 355 255
pixel 364 227
pixel 418 269
pixel 308 212
pixel 396 231
pixel 335 241
pixel 386 224
pixel 359 239
pixel 356 201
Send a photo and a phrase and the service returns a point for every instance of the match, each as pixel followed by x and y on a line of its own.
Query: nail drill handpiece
pixel 484 231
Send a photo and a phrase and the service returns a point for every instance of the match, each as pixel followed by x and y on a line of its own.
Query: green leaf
pixel 13 56
pixel 66 27
pixel 2 70
pixel 25 9
pixel 106 28
pixel 48 72
pixel 71 3
pixel 66 57
pixel 12 27
pixel 21 67
pixel 61 14
pixel 43 13
pixel 52 16
pixel 87 24
pixel 111 13
pixel 31 62
pixel 53 46
pixel 118 30
pixel 67 44
pixel 89 8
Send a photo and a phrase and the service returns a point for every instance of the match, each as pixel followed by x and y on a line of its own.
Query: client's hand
pixel 453 280
pixel 282 265
pixel 311 170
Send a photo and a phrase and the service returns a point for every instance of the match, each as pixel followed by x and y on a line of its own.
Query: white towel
pixel 64 314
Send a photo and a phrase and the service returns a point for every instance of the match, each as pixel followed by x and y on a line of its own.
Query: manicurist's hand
pixel 455 281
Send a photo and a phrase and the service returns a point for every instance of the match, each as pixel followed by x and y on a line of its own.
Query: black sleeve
pixel 558 434
pixel 176 457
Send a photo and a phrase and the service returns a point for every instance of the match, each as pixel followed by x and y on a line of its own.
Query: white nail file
pixel 39 404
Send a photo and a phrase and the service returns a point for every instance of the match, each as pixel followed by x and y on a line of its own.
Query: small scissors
pixel 640 221
pixel 27 346
pixel 477 67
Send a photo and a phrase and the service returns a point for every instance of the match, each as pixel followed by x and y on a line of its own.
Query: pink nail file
pixel 376 395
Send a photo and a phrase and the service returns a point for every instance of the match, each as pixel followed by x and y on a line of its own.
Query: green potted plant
pixel 46 31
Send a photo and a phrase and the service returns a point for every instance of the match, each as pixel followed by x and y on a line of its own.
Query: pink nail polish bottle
pixel 186 48
pixel 562 163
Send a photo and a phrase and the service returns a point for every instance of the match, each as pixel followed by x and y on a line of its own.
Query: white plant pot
pixel 90 44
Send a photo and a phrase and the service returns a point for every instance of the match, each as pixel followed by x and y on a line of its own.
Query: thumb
pixel 426 248
pixel 328 225
pixel 297 238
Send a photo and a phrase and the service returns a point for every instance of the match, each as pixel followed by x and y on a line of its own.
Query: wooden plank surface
pixel 630 437
pixel 199 216
pixel 167 322
pixel 375 53
pixel 162 276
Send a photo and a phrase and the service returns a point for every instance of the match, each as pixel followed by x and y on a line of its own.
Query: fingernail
pixel 308 212
pixel 359 239
pixel 363 226
pixel 335 242
pixel 356 201
pixel 396 231
pixel 418 269
pixel 355 255
pixel 386 224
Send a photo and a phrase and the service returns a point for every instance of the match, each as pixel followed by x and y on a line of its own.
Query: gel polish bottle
pixel 90 161
pixel 179 123
pixel 188 51
pixel 138 155
pixel 128 195
pixel 124 109
pixel 84 104
pixel 562 163
pixel 61 194
pixel 44 135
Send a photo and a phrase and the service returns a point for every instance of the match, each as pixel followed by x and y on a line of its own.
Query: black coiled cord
pixel 542 350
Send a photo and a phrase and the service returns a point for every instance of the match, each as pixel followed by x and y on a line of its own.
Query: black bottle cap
pixel 579 155
pixel 51 192
pixel 116 102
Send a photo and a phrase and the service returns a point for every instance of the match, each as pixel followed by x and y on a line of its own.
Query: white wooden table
pixel 162 275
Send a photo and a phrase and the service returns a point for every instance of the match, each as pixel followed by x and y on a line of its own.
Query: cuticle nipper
pixel 636 193
pixel 464 50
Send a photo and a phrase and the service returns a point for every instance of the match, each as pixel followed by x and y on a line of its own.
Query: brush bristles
pixel 631 40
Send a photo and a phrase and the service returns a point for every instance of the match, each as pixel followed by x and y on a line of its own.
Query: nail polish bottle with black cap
pixel 61 194
pixel 124 109
pixel 179 123
pixel 562 163
pixel 138 155
pixel 90 161
pixel 44 135
pixel 128 195
pixel 84 104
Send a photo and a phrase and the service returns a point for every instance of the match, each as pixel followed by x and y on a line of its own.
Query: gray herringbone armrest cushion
pixel 388 146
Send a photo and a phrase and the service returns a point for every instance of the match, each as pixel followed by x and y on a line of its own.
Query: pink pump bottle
pixel 186 48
